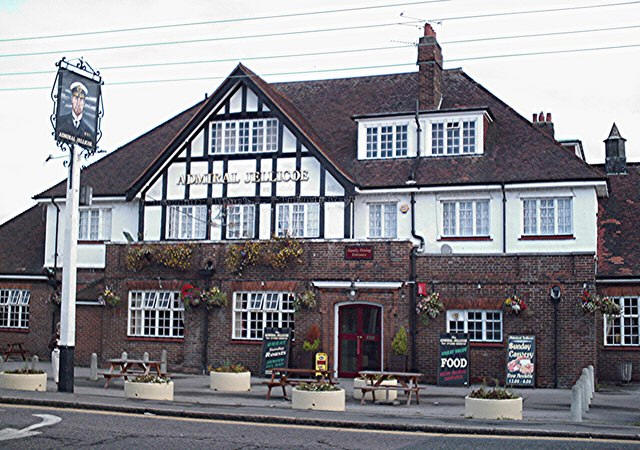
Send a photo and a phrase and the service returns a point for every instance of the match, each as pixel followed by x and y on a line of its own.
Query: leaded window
pixel 156 314
pixel 255 311
pixel 480 325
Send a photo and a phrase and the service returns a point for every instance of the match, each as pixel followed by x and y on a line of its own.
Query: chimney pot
pixel 535 118
pixel 549 117
pixel 541 117
pixel 428 30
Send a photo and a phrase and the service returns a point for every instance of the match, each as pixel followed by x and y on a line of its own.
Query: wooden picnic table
pixel 15 348
pixel 125 368
pixel 284 376
pixel 408 383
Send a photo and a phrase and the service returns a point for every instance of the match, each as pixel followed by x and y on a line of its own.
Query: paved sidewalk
pixel 615 411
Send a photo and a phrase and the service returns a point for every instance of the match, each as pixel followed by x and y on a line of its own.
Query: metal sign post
pixel 76 122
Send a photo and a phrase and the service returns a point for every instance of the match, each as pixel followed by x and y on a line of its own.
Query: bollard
pixel 145 357
pixel 124 355
pixel 592 375
pixel 585 375
pixel 583 395
pixel 576 403
pixel 163 362
pixel 93 372
pixel 34 362
pixel 1 361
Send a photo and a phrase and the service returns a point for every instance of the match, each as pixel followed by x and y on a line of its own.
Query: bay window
pixel 14 308
pixel 155 314
pixel 480 325
pixel 187 222
pixel 298 219
pixel 547 216
pixel 255 311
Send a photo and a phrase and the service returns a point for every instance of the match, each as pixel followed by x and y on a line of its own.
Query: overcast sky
pixel 585 91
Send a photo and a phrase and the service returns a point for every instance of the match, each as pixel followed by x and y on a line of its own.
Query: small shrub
pixel 317 387
pixel 150 378
pixel 400 343
pixel 24 371
pixel 229 368
pixel 494 393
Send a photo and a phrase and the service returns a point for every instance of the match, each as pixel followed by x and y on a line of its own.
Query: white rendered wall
pixel 361 214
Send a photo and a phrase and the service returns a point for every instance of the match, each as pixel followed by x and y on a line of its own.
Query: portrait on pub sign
pixel 77 110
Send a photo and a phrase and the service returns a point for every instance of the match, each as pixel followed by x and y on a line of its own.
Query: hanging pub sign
pixel 453 365
pixel 77 108
pixel 275 349
pixel 521 357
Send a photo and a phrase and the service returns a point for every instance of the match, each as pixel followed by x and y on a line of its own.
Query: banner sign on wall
pixel 453 365
pixel 521 357
pixel 275 349
pixel 77 109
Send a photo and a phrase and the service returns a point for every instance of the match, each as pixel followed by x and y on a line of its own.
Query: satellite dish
pixel 446 249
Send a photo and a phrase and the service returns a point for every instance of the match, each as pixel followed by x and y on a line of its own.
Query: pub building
pixel 341 203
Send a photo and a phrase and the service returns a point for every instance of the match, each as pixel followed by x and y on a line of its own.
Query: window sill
pixel 91 242
pixel 14 330
pixel 247 341
pixel 465 238
pixel 154 339
pixel 487 344
pixel 550 237
pixel 622 348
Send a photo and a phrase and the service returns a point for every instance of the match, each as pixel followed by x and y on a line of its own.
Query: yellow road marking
pixel 315 427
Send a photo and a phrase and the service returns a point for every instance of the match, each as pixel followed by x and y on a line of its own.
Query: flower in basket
pixel 109 297
pixel 305 300
pixel 429 306
pixel 213 298
pixel 592 303
pixel 190 295
pixel 515 304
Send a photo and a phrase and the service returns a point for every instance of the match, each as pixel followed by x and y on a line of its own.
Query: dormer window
pixel 460 137
pixel 387 141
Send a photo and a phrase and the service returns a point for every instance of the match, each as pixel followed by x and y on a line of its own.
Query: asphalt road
pixel 24 427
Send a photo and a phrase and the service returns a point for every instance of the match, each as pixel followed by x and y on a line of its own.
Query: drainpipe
pixel 504 220
pixel 55 261
pixel 412 281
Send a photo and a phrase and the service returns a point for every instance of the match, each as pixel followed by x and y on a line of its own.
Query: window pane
pixel 493 326
pixel 233 221
pixel 453 138
pixel 474 325
pixel 482 218
pixel 83 232
pixel 437 138
pixel 243 137
pixel 530 217
pixel 547 216
pixel 313 220
pixel 372 142
pixel 283 220
pixel 469 137
pixel 105 232
pixel 297 220
pixel 230 137
pixel 565 216
pixel 449 218
pixel 94 222
pixel 401 140
pixel 386 142
pixel 375 220
pixel 272 135
pixel 390 220
pixel 455 321
pixel 248 220
pixel 216 138
pixel 466 218
pixel 257 139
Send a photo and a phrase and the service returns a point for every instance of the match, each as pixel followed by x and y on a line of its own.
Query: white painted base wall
pixel 230 382
pixel 320 401
pixel 479 408
pixel 24 382
pixel 149 391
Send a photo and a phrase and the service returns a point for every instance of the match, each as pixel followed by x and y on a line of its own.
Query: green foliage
pixel 400 343
pixel 214 298
pixel 305 300
pixel 277 253
pixel 494 393
pixel 312 339
pixel 317 387
pixel 109 297
pixel 173 256
pixel 308 346
pixel 24 371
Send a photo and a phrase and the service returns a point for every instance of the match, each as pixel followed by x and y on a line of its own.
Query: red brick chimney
pixel 430 70
pixel 544 123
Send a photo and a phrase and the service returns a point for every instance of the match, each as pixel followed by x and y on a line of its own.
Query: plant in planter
pixel 494 403
pixel 515 305
pixel 109 297
pixel 592 303
pixel 24 379
pixel 230 378
pixel 213 298
pixel 305 300
pixel 311 343
pixel 149 387
pixel 190 295
pixel 429 307
pixel 318 396
pixel 400 345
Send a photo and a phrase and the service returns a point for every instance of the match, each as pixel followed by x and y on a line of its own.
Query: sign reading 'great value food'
pixel 453 367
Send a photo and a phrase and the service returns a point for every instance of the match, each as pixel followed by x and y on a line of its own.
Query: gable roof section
pixel 22 243
pixel 112 175
pixel 618 232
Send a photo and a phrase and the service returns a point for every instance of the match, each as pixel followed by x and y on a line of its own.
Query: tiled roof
pixel 22 243
pixel 618 235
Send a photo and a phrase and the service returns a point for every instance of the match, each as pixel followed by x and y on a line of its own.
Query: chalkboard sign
pixel 453 366
pixel 521 360
pixel 275 349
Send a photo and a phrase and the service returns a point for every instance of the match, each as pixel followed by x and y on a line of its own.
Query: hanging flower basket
pixel 109 297
pixel 305 300
pixel 592 303
pixel 213 298
pixel 429 307
pixel 190 295
pixel 515 305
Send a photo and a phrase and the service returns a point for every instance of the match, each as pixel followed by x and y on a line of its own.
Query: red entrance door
pixel 359 339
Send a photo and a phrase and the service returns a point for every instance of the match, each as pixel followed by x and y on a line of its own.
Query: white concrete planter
pixel 318 400
pixel 149 391
pixel 479 408
pixel 24 382
pixel 230 381
pixel 381 396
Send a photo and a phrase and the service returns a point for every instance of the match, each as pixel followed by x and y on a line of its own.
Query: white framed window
pixel 624 328
pixel 465 218
pixel 244 136
pixel 187 222
pixel 387 141
pixel 383 220
pixel 94 224
pixel 255 311
pixel 480 325
pixel 298 219
pixel 14 308
pixel 240 221
pixel 547 216
pixel 155 314
pixel 454 136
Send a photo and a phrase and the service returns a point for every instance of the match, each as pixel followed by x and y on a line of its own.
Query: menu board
pixel 521 359
pixel 275 349
pixel 453 366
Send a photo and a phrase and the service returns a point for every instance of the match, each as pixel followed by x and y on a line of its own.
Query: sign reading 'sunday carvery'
pixel 521 357
pixel 249 177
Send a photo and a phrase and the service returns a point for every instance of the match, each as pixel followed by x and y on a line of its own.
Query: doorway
pixel 359 339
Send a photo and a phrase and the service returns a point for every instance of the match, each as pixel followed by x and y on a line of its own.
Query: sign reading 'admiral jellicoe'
pixel 249 177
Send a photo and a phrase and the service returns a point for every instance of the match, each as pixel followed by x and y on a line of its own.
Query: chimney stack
pixel 544 123
pixel 430 70
pixel 615 155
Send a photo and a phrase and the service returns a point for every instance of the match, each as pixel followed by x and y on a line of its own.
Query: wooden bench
pixel 15 348
pixel 407 390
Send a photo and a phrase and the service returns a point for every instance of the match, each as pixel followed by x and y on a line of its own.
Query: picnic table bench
pixel 283 377
pixel 125 368
pixel 407 383
pixel 15 348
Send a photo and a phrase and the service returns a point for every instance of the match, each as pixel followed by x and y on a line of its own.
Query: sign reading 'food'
pixel 453 367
